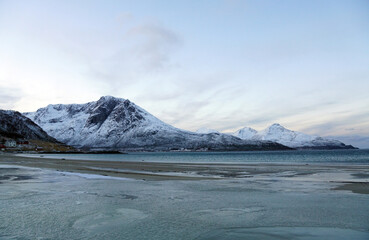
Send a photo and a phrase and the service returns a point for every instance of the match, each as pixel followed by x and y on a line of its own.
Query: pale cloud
pixel 152 45
pixel 139 51
pixel 9 97
pixel 358 122
pixel 117 60
pixel 184 113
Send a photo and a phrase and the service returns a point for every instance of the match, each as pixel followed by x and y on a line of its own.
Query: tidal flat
pixel 44 198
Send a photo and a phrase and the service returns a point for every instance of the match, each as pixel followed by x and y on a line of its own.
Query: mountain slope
pixel 206 130
pixel 293 139
pixel 116 123
pixel 245 133
pixel 14 125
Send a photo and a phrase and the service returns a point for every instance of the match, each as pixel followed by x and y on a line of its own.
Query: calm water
pixel 324 156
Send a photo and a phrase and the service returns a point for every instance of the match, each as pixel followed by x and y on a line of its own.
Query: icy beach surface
pixel 45 204
pixel 287 157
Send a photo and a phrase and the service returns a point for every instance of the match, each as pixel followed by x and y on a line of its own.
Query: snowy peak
pixel 277 130
pixel 94 122
pixel 278 133
pixel 117 123
pixel 101 111
pixel 245 133
pixel 118 110
pixel 110 98
pixel 277 127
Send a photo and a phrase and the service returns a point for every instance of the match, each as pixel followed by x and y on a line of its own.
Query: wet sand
pixel 195 171
pixel 359 187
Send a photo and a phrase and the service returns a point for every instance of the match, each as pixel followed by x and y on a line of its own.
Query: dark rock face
pixel 112 109
pixel 14 125
pixel 101 112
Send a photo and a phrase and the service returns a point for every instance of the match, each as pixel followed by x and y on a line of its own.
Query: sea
pixel 46 204
pixel 352 156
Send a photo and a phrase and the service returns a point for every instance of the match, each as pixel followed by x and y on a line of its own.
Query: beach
pixel 60 198
pixel 349 177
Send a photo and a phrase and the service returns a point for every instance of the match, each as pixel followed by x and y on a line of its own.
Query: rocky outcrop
pixel 14 125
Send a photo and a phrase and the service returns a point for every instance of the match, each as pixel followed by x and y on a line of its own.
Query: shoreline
pixel 159 171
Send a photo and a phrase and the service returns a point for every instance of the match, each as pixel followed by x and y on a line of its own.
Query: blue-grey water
pixel 46 204
pixel 303 156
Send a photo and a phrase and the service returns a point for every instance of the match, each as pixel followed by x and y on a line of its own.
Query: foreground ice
pixel 92 176
pixel 44 204
pixel 298 233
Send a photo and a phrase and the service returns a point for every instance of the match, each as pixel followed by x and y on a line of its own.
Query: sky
pixel 220 64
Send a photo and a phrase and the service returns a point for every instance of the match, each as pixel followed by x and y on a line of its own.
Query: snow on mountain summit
pixel 94 122
pixel 117 123
pixel 294 139
pixel 245 133
pixel 277 132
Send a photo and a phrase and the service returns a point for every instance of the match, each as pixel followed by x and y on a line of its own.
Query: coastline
pixel 203 171
pixel 81 199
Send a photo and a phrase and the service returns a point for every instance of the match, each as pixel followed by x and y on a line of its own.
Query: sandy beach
pixel 348 177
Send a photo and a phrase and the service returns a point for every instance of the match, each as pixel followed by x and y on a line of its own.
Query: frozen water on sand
pixel 45 204
pixel 295 233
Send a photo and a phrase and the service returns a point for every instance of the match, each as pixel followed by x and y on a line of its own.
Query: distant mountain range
pixel 116 123
pixel 206 131
pixel 14 125
pixel 293 139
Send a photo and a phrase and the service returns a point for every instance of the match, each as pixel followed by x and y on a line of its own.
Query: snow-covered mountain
pixel 205 130
pixel 14 125
pixel 116 123
pixel 245 133
pixel 293 139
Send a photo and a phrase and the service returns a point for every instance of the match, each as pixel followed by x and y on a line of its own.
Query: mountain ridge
pixel 15 125
pixel 117 123
pixel 290 138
